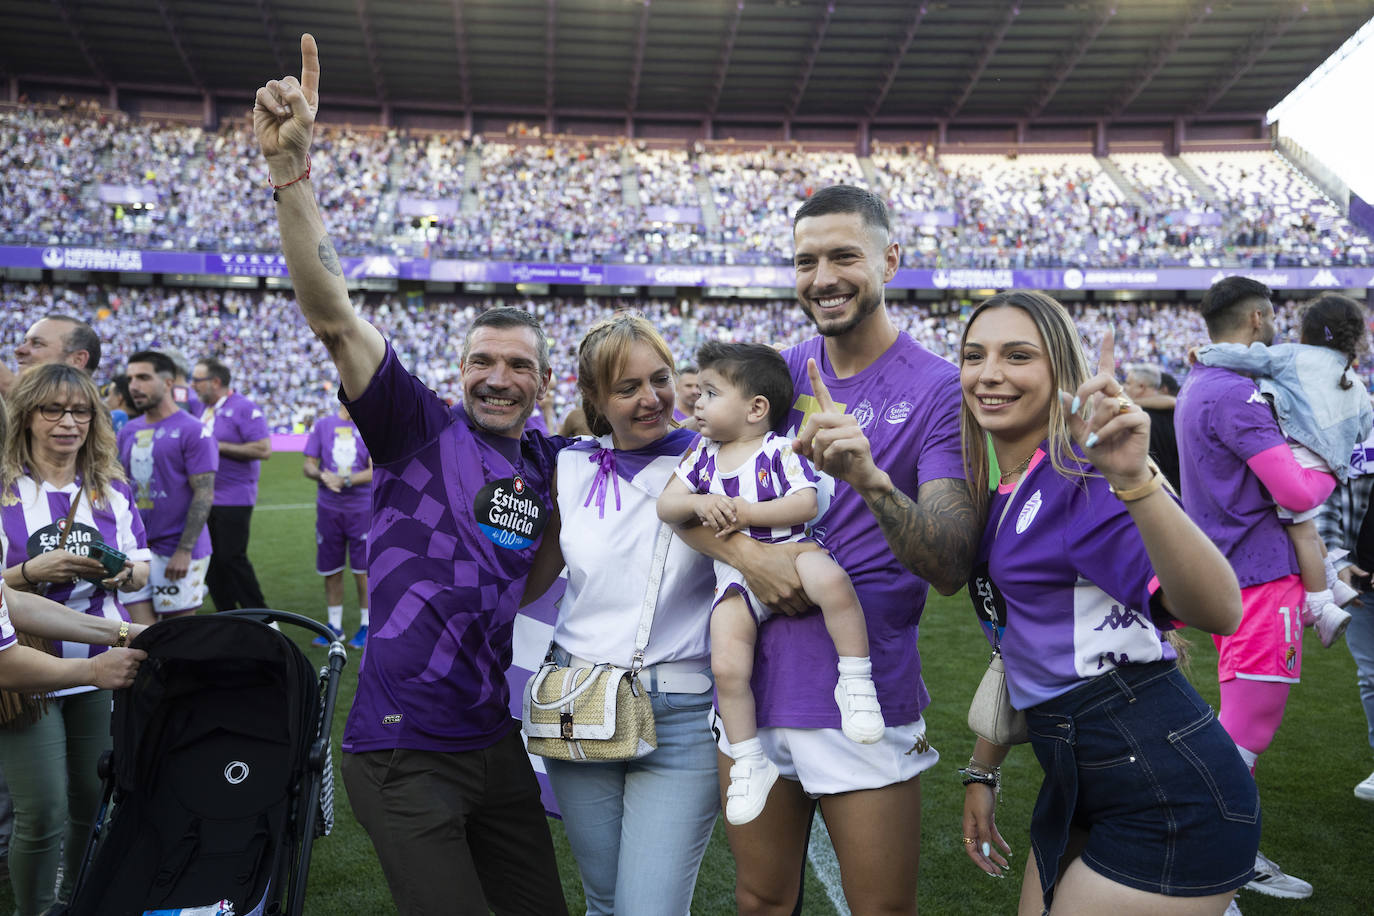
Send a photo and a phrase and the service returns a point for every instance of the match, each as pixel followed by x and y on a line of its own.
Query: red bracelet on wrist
pixel 302 176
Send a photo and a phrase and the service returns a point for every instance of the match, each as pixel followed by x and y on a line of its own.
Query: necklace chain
pixel 1018 469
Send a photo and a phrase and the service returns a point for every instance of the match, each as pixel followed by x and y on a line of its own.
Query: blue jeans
pixel 1359 636
pixel 639 828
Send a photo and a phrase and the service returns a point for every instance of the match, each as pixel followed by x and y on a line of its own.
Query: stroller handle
pixel 267 615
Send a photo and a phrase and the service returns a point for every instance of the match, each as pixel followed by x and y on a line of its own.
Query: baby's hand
pixel 717 513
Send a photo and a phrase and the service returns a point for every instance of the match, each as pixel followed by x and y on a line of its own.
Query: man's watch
pixel 348 480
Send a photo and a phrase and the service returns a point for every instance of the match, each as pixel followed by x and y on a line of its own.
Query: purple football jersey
pixel 907 403
pixel 456 517
pixel 1064 570
pixel 1223 421
pixel 340 450
pixel 160 459
pixel 236 420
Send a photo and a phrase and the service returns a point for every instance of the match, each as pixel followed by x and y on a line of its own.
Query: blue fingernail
pixel 987 849
pixel 1073 408
pixel 1090 441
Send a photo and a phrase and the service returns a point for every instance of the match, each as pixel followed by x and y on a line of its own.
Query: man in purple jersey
pixel 901 518
pixel 171 461
pixel 336 457
pixel 1235 465
pixel 240 431
pixel 433 761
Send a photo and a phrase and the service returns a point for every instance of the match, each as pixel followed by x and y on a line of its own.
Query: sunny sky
pixel 1329 114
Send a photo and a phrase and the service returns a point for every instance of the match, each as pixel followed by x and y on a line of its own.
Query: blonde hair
pixel 603 354
pixel 1068 369
pixel 97 461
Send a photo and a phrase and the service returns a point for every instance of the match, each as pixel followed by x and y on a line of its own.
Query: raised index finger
pixel 310 69
pixel 1106 359
pixel 823 399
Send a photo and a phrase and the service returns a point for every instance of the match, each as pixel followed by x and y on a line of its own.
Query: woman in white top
pixel 63 493
pixel 638 828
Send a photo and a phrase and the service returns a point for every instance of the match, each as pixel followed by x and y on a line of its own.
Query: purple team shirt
pixel 160 459
pixel 907 403
pixel 444 586
pixel 237 420
pixel 1223 421
pixel 1067 574
pixel 338 446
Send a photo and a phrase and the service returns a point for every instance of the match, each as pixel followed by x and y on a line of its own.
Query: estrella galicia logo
pixel 988 603
pixel 509 513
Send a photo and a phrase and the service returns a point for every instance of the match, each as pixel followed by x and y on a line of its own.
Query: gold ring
pixel 969 841
pixel 1123 404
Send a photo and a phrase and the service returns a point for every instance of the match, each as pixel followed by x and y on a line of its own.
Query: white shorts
pixel 172 595
pixel 825 762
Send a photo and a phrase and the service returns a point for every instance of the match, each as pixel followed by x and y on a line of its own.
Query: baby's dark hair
pixel 1338 323
pixel 754 370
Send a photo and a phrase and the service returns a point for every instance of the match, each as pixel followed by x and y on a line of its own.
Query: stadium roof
pixel 822 61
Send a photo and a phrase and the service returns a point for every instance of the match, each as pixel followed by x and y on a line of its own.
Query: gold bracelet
pixel 1155 482
pixel 123 639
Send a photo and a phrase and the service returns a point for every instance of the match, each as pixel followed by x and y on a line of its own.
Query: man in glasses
pixel 171 460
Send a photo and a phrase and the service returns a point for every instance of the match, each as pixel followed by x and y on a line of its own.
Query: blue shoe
pixel 359 638
pixel 321 641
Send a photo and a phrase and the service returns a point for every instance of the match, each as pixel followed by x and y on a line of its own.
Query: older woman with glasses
pixel 64 504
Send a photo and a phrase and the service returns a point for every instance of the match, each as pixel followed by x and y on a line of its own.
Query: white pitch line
pixel 822 855
pixel 285 506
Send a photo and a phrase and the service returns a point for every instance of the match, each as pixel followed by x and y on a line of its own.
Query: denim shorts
pixel 1136 759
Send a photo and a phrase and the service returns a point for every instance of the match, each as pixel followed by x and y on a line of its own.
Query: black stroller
pixel 220 774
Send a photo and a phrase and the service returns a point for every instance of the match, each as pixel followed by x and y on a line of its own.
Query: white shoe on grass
pixel 1365 790
pixel 1270 879
pixel 861 718
pixel 751 778
pixel 1330 622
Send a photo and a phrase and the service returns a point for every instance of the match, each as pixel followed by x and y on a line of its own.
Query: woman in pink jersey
pixel 1086 563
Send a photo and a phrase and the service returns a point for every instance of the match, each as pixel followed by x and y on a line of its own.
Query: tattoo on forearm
pixel 935 538
pixel 202 498
pixel 329 257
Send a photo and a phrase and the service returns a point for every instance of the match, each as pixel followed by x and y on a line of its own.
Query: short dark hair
pixel 216 370
pixel 754 370
pixel 1222 303
pixel 1168 384
pixel 844 198
pixel 120 384
pixel 506 316
pixel 81 337
pixel 162 363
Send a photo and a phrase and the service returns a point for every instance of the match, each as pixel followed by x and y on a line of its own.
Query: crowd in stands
pixel 572 200
pixel 279 364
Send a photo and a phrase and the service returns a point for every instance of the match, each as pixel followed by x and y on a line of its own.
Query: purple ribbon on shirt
pixel 630 464
pixel 605 460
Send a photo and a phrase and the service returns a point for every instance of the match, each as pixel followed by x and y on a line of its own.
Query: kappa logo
pixel 1111 658
pixel 1119 617
pixel 1256 398
pixel 1028 512
pixel 1324 277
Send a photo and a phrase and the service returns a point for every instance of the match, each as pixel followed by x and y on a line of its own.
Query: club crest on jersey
pixel 763 478
pixel 1028 512
pixel 863 414
pixel 1290 658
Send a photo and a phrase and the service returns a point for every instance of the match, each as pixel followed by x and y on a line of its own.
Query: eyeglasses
pixel 81 414
pixel 197 381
